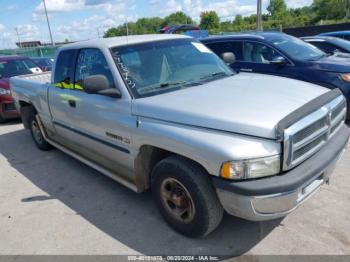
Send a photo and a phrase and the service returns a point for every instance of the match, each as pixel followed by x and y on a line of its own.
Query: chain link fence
pixel 47 51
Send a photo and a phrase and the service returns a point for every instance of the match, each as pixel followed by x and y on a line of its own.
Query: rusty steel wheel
pixel 185 196
pixel 177 200
pixel 37 135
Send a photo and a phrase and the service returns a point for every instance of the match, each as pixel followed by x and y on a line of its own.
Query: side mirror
pixel 278 60
pixel 98 84
pixel 228 57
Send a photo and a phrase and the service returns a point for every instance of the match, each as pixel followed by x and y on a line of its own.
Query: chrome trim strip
pixel 289 133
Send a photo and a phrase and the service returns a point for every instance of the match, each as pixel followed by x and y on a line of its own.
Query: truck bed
pixel 31 89
pixel 42 78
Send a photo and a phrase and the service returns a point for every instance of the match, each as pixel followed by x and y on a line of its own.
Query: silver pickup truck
pixel 162 112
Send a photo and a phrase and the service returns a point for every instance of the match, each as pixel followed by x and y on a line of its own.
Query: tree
pixel 210 20
pixel 149 25
pixel 330 9
pixel 277 8
pixel 178 18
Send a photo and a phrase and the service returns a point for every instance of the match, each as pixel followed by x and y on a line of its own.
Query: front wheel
pixel 37 135
pixel 185 197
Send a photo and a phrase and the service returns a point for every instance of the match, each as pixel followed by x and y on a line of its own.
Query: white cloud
pixel 226 8
pixel 28 32
pixel 173 6
pixel 298 3
pixel 2 28
pixel 53 6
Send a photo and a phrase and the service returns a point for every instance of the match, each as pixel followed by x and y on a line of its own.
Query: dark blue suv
pixel 284 55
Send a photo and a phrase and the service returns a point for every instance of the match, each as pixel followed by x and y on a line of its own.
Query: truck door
pixel 258 58
pixel 100 126
pixel 59 95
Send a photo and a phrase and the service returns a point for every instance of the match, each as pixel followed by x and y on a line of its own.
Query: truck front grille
pixel 307 136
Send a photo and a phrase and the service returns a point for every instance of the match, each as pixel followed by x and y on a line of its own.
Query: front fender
pixel 210 148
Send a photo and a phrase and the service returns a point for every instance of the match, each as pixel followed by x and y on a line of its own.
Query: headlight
pixel 345 77
pixel 252 168
pixel 4 92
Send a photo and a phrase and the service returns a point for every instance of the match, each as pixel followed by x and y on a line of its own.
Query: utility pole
pixel 19 39
pixel 258 16
pixel 48 24
pixel 127 26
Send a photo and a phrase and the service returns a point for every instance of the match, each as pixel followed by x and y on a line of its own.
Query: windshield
pixel 11 68
pixel 43 61
pixel 296 48
pixel 342 43
pixel 164 66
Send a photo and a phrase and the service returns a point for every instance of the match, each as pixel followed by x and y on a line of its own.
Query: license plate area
pixel 310 188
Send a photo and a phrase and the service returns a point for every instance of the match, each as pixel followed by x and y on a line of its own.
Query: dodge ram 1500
pixel 163 112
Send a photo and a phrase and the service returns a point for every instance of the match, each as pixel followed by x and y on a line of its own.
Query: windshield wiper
pixel 174 83
pixel 215 75
pixel 180 83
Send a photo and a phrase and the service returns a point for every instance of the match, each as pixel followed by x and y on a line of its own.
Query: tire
pixel 180 186
pixel 37 135
pixel 2 120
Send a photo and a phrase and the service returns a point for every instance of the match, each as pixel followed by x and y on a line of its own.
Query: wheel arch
pixel 147 158
pixel 26 110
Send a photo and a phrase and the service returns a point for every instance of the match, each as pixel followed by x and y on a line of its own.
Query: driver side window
pixel 91 61
pixel 258 53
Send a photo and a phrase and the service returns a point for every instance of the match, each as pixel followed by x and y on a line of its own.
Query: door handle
pixel 246 69
pixel 72 103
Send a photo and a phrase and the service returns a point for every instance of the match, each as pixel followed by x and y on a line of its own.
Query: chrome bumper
pixel 267 206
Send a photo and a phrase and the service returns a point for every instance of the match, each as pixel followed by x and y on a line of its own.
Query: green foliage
pixel 278 16
pixel 277 8
pixel 210 21
pixel 177 18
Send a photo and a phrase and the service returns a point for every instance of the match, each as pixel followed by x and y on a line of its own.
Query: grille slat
pixel 308 131
pixel 308 135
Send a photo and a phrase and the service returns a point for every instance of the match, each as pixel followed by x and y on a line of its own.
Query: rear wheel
pixel 37 135
pixel 185 197
pixel 2 120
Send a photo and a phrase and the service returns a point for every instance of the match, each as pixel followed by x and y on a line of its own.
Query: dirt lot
pixel 53 204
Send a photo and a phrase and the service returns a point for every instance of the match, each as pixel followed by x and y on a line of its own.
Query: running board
pixel 85 161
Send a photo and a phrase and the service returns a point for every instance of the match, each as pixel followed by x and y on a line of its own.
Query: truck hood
pixel 338 62
pixel 250 104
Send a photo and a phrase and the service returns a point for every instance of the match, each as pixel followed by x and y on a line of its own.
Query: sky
pixel 87 19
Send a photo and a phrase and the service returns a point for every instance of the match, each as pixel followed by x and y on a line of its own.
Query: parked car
pixel 12 66
pixel 341 34
pixel 280 54
pixel 45 63
pixel 163 112
pixel 329 44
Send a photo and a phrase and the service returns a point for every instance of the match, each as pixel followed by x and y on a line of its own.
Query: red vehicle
pixel 12 66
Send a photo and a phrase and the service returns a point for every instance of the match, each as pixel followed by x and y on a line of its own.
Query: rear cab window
pixel 64 70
